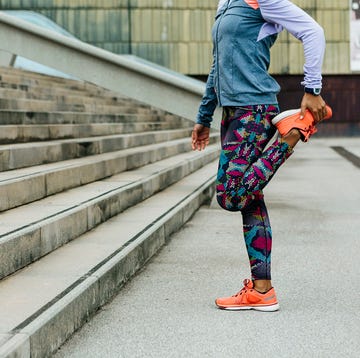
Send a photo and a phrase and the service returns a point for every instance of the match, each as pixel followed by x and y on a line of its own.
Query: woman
pixel 243 34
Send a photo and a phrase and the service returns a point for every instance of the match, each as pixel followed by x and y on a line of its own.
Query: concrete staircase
pixel 91 186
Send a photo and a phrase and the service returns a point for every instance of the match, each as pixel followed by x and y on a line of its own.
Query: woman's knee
pixel 231 203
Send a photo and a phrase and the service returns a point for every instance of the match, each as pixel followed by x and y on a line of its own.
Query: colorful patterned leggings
pixel 245 167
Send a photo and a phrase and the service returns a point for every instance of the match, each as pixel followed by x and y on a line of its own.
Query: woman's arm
pixel 209 101
pixel 200 136
pixel 311 34
pixel 304 28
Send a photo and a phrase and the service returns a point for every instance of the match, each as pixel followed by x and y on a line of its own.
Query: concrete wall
pixel 176 33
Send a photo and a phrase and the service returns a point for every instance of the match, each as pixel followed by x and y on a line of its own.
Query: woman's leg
pixel 258 240
pixel 244 169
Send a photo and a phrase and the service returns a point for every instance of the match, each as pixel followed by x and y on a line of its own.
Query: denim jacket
pixel 243 33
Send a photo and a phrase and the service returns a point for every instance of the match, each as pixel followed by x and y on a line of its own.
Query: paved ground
pixel 168 311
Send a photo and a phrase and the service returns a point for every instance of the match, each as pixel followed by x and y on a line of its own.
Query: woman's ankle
pixel 291 138
pixel 262 286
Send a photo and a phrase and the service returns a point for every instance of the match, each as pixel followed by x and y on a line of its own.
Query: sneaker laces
pixel 309 132
pixel 312 129
pixel 247 286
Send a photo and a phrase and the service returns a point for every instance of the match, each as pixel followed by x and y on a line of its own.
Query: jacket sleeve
pixel 208 102
pixel 305 29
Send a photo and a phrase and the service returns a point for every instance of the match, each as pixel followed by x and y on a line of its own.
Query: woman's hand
pixel 200 137
pixel 315 104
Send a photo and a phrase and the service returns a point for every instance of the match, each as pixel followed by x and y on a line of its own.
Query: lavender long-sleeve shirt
pixel 284 14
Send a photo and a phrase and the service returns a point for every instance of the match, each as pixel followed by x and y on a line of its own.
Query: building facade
pixel 176 33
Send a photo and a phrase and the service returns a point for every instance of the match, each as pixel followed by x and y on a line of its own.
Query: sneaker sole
pixel 270 308
pixel 284 114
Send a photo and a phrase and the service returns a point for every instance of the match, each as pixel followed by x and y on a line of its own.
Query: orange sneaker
pixel 250 299
pixel 285 121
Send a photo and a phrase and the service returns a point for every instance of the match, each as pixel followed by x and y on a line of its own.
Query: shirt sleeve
pixel 209 101
pixel 305 29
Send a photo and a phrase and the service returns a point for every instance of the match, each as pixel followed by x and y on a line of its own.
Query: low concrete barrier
pixel 127 75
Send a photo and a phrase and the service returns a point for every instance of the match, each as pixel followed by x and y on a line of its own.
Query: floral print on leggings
pixel 245 167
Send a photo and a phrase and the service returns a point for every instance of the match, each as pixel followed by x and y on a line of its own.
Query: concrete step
pixel 22 186
pixel 24 117
pixel 17 85
pixel 33 133
pixel 59 293
pixel 90 106
pixel 31 79
pixel 59 94
pixel 31 231
pixel 20 73
pixel 15 156
pixel 51 89
pixel 63 95
pixel 29 102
